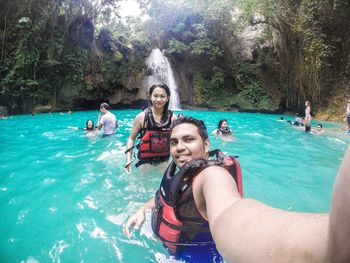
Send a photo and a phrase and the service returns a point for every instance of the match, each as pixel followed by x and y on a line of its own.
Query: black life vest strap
pixel 199 228
pixel 152 160
pixel 187 244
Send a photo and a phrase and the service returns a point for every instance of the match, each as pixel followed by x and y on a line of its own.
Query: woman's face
pixel 159 97
pixel 224 125
pixel 90 125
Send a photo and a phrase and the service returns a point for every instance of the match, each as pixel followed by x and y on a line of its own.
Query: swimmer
pixel 243 229
pixel 308 116
pixel 108 120
pixel 298 121
pixel 89 126
pixel 281 119
pixel 152 126
pixel 223 128
pixel 319 129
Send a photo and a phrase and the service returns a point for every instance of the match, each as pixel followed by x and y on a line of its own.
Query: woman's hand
pixel 128 166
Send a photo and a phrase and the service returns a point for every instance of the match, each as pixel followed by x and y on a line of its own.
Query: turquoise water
pixel 64 196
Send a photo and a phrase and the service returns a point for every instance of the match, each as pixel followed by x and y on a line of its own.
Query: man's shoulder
pixel 109 115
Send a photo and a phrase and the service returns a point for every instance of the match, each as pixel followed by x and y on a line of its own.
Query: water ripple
pixel 57 250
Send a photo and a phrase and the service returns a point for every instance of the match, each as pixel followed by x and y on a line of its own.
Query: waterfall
pixel 160 70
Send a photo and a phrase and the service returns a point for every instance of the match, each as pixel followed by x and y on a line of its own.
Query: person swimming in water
pixel 222 128
pixel 89 126
pixel 298 121
pixel 107 121
pixel 308 116
pixel 243 229
pixel 319 129
pixel 152 126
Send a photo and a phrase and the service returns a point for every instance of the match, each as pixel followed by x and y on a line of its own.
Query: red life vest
pixel 176 220
pixel 154 139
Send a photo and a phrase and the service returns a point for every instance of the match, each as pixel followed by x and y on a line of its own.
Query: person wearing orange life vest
pixel 244 229
pixel 153 126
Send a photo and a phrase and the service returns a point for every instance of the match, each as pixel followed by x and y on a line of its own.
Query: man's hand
pixel 136 220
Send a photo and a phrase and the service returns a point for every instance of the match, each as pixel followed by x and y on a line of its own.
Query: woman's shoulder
pixel 140 116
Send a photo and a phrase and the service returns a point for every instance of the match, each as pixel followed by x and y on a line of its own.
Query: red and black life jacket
pixel 176 220
pixel 154 139
pixel 224 131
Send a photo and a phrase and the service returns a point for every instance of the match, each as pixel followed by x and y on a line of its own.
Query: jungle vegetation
pixel 76 53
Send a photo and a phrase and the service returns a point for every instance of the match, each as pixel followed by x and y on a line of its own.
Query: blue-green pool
pixel 64 196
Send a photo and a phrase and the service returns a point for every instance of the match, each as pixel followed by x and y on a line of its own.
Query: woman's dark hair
pixel 167 90
pixel 87 127
pixel 202 130
pixel 320 125
pixel 220 122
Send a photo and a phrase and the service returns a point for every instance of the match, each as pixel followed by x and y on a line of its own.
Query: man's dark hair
pixel 105 105
pixel 202 130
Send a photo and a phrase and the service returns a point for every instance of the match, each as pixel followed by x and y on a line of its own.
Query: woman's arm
pixel 137 126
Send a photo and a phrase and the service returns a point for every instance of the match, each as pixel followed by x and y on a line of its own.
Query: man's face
pixel 186 144
pixel 103 110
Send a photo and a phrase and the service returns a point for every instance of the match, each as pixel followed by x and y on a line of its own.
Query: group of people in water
pixel 306 122
pixel 199 213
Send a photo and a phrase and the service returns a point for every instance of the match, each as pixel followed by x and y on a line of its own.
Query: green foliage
pixel 255 93
pixel 176 46
pixel 217 79
pixel 319 46
pixel 211 89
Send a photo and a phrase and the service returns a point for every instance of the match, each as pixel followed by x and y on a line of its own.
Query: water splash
pixel 160 70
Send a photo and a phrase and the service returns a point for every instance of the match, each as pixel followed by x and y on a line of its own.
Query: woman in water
pixel 153 126
pixel 308 117
pixel 223 128
pixel 89 126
